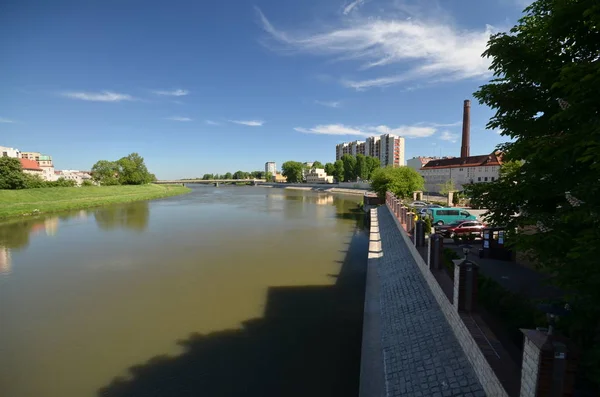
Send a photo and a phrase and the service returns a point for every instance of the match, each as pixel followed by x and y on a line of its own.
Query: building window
pixel 485 179
pixel 479 179
pixel 493 179
pixel 4 154
pixel 460 169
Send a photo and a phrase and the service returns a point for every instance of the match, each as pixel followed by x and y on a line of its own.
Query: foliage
pixel 268 176
pixel 227 176
pixel 317 164
pixel 34 182
pixel 428 224
pixel 11 174
pixel 132 170
pixel 373 164
pixel 545 95
pixel 361 170
pixel 338 170
pixel 292 170
pixel 349 167
pixel 240 175
pixel 401 181
pixel 208 177
pixel 87 183
pixel 456 198
pixel 329 169
pixel 106 172
pixel 446 187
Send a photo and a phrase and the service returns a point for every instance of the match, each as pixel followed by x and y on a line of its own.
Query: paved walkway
pixel 421 355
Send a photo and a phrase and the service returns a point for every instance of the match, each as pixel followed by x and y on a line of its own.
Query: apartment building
pixel 318 175
pixel 461 171
pixel 10 152
pixel 271 167
pixel 388 148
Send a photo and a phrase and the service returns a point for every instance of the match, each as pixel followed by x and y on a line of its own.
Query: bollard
pixel 465 286
pixel 403 215
pixel 436 248
pixel 410 222
pixel 419 236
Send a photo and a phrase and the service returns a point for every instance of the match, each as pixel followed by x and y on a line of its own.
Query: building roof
pixel 31 165
pixel 492 159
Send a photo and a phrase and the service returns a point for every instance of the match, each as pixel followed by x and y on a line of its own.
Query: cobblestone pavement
pixel 420 352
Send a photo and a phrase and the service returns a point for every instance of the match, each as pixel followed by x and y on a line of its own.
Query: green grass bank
pixel 16 203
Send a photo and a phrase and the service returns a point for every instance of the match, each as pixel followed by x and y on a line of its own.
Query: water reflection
pixel 4 260
pixel 132 216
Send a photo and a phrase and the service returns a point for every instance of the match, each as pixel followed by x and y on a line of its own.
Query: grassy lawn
pixel 14 203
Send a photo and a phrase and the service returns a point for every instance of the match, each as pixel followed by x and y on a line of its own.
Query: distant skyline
pixel 201 88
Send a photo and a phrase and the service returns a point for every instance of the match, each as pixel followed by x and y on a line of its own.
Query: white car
pixel 418 204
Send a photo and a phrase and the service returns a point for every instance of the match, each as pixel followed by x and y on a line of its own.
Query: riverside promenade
pixel 409 348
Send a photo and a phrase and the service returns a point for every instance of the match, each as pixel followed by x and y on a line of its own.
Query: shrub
pixel 87 183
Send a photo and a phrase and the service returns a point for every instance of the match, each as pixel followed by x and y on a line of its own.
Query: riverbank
pixel 17 203
pixel 316 188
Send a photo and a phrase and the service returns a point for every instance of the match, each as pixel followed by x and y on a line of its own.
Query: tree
pixel 329 169
pixel 207 177
pixel 349 167
pixel 227 176
pixel 105 172
pixel 132 170
pixel 361 169
pixel 292 170
pixel 545 96
pixel 373 164
pixel 317 164
pixel 338 170
pixel 268 176
pixel 401 181
pixel 11 174
pixel 447 187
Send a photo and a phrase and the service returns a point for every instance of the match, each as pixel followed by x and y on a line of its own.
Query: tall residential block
pixel 271 167
pixel 388 148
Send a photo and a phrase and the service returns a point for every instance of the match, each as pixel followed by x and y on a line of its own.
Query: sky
pixel 208 87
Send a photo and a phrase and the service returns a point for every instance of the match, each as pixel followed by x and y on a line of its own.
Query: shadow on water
pixel 306 344
pixel 132 216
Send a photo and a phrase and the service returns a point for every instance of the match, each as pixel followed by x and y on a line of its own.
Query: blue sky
pixel 198 87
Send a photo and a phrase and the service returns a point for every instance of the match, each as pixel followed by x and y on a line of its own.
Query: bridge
pixel 215 182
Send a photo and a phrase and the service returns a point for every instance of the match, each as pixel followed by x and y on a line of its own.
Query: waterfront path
pixel 419 353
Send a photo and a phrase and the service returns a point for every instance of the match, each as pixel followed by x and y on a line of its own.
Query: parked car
pixel 419 204
pixel 445 216
pixel 461 228
pixel 423 211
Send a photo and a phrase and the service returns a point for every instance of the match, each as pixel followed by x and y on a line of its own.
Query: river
pixel 229 291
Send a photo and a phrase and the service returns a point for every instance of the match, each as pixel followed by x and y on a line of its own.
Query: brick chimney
pixel 466 129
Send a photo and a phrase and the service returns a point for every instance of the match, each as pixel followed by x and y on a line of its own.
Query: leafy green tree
pixel 349 167
pixel 35 182
pixel 373 164
pixel 329 169
pixel 292 170
pixel 227 176
pixel 318 164
pixel 87 183
pixel 207 177
pixel 362 169
pixel 132 170
pixel 268 176
pixel 402 181
pixel 11 174
pixel 545 97
pixel 447 187
pixel 338 170
pixel 62 182
pixel 105 172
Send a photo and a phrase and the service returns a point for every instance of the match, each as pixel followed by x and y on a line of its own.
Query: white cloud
pixel 250 123
pixel 407 131
pixel 177 92
pixel 421 48
pixel 329 104
pixel 355 4
pixel 3 120
pixel 104 96
pixel 210 122
pixel 448 136
pixel 179 118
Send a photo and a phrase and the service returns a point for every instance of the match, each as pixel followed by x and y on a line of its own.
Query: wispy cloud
pixel 439 125
pixel 210 122
pixel 422 48
pixel 3 120
pixel 355 4
pixel 179 118
pixel 407 131
pixel 250 123
pixel 104 96
pixel 177 92
pixel 329 104
pixel 448 136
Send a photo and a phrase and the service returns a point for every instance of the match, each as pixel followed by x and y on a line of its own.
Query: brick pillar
pixel 549 365
pixel 403 215
pixel 397 208
pixel 410 222
pixel 419 235
pixel 434 253
pixel 465 286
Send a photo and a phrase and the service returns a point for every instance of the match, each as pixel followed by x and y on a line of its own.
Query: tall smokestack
pixel 466 131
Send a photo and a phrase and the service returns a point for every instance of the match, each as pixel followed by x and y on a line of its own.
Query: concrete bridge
pixel 215 182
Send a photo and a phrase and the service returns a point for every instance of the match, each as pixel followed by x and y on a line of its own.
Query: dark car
pixel 459 228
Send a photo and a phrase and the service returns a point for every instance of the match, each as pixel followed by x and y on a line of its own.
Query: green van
pixel 445 216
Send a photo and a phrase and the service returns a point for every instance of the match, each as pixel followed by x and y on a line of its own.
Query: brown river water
pixel 229 291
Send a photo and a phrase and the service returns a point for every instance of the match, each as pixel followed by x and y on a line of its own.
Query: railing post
pixel 436 248
pixel 465 286
pixel 419 235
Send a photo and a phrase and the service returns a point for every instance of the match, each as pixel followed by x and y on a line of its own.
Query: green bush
pixel 428 224
pixel 87 183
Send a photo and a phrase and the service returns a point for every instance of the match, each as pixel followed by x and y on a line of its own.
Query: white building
pixel 74 175
pixel 10 152
pixel 318 175
pixel 461 171
pixel 388 148
pixel 271 167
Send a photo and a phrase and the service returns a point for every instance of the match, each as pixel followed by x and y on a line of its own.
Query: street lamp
pixel 553 314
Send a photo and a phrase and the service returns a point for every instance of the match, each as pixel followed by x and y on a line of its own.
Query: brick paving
pixel 421 355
